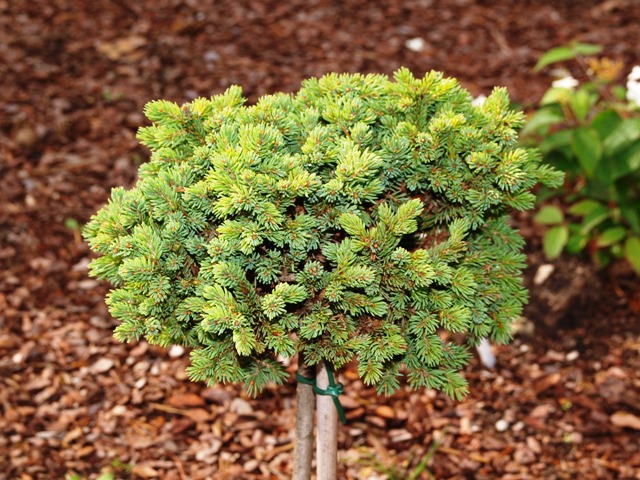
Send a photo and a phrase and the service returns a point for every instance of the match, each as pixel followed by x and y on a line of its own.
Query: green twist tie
pixel 305 380
pixel 333 389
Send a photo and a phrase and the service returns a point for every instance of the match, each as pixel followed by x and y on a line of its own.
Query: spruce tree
pixel 357 219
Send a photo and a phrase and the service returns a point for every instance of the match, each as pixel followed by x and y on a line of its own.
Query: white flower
pixel 567 82
pixel 633 86
pixel 415 44
pixel 635 74
pixel 479 100
pixel 633 92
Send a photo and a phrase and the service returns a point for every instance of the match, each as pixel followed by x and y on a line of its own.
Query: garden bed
pixel 563 400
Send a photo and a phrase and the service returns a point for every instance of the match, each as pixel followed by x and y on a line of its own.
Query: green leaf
pixel 558 54
pixel 586 48
pixel 594 218
pixel 632 158
pixel 584 207
pixel 625 162
pixel 555 96
pixel 549 215
pixel 619 92
pixel 632 252
pixel 611 235
pixel 556 141
pixel 621 137
pixel 580 102
pixel 606 122
pixel 543 118
pixel 587 146
pixel 566 52
pixel 555 240
pixel 630 214
pixel 577 243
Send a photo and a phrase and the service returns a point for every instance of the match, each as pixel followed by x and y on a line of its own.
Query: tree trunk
pixel 327 430
pixel 305 406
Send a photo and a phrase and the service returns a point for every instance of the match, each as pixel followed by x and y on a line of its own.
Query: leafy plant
pixel 591 131
pixel 357 218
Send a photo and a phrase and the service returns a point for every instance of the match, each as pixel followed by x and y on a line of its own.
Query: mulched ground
pixel 74 75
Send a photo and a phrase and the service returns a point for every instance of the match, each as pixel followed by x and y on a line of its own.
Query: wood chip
pixel 185 399
pixel 625 420
pixel 241 407
pixel 385 411
pixel 102 365
pixel 144 471
pixel 546 382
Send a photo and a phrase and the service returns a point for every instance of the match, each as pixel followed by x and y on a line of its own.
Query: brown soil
pixel 563 402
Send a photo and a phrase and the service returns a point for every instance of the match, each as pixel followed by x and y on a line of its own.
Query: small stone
pixel 543 273
pixel 479 100
pixel 572 356
pixel 176 351
pixel 502 425
pixel 416 44
pixel 119 410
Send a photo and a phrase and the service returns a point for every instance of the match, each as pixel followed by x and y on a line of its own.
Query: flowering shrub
pixel 591 131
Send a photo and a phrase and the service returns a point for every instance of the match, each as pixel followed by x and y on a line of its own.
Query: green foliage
pixel 359 218
pixel 592 133
pixel 567 52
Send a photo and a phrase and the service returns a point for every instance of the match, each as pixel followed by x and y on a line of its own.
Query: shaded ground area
pixel 563 402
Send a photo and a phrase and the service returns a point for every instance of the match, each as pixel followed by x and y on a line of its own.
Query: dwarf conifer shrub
pixel 358 218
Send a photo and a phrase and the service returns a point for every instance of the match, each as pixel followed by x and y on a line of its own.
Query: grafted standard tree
pixel 360 218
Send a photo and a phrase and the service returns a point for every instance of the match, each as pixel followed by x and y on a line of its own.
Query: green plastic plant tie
pixel 305 380
pixel 333 389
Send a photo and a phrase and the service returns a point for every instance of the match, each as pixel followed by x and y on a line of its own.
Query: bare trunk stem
pixel 305 405
pixel 327 430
